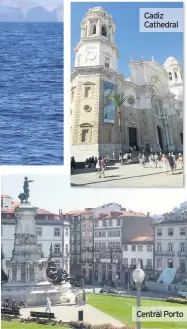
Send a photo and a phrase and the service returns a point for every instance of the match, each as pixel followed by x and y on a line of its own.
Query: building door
pixel 170 263
pixel 132 136
pixel 181 136
pixel 160 137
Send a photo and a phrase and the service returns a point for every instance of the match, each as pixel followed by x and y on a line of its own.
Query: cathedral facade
pixel 152 114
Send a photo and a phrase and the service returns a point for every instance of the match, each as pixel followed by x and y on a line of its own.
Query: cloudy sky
pixel 52 192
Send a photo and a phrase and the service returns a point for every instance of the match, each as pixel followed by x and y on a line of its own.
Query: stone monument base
pixel 36 294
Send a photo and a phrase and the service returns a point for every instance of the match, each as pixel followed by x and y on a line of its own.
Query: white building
pixel 139 251
pixel 152 114
pixel 50 229
pixel 171 242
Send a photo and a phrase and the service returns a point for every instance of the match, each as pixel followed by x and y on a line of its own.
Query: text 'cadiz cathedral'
pixel 152 115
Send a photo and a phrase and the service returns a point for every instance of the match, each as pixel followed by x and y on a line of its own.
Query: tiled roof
pixel 142 239
pixel 119 214
pixel 5 196
pixel 77 212
pixel 39 212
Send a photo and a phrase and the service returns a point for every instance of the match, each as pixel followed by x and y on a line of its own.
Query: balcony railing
pixel 181 253
pixel 132 267
pixel 165 253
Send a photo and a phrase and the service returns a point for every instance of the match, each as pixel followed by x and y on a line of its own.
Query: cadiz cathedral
pixel 152 114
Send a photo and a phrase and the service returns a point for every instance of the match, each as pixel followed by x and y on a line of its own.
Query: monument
pixel 27 271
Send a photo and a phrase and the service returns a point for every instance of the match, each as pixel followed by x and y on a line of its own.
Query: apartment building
pixel 170 239
pixel 51 229
pixel 138 250
pixel 112 231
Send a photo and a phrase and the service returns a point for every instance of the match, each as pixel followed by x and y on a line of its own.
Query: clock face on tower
pixel 91 54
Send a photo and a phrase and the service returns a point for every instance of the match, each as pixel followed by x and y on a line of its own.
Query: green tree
pixel 118 100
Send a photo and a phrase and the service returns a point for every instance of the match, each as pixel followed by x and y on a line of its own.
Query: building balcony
pixel 57 254
pixel 181 253
pixel 165 253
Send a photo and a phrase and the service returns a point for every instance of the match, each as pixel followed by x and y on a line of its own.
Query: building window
pixel 39 231
pixel 87 92
pixel 57 249
pixel 140 247
pixel 104 223
pixel 96 223
pixel 125 247
pixel 72 96
pixel 149 248
pixel 149 262
pixel 66 231
pixel 170 263
pixel 182 231
pixel 107 62
pixel 104 31
pixel 118 245
pixel 170 231
pixel 182 266
pixel 133 247
pixel 133 261
pixel 159 266
pixel 56 231
pixel 159 232
pixel 170 247
pixel 182 247
pixel 170 76
pixel 176 75
pixel 118 233
pixel 159 247
pixel 94 29
pixel 57 263
pixel 125 261
pixel 118 222
pixel 110 222
pixel 84 135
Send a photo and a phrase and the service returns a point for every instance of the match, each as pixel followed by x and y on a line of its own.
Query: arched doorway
pixel 181 136
pixel 160 137
pixel 133 136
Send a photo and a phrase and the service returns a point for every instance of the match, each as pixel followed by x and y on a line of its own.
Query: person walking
pixel 48 305
pixel 155 158
pixel 165 163
pixel 98 166
pixel 103 167
pixel 143 160
pixel 172 163
pixel 84 297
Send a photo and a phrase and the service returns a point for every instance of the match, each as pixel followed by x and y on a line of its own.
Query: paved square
pixel 134 175
pixel 70 313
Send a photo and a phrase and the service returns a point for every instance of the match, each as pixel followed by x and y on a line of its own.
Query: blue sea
pixel 31 94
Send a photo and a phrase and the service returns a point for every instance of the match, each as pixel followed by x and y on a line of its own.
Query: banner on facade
pixel 109 107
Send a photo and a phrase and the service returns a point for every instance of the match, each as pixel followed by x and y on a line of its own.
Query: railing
pixel 165 253
pixel 181 253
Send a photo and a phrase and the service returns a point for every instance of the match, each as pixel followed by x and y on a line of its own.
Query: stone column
pixel 98 28
pixel 18 272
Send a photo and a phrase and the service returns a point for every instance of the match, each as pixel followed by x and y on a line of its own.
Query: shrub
pixel 177 300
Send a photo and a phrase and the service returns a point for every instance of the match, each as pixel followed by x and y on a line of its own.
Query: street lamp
pixel 138 276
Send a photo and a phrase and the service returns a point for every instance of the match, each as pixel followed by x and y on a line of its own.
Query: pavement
pixel 133 175
pixel 67 313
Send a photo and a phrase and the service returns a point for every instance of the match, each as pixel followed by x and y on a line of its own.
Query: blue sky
pixel 127 37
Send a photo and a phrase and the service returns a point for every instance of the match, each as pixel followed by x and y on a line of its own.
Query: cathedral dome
pixel 170 61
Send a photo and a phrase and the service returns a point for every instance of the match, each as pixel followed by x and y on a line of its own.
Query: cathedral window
pixel 84 135
pixel 72 96
pixel 87 92
pixel 87 108
pixel 176 75
pixel 131 100
pixel 104 31
pixel 170 76
pixel 107 62
pixel 94 29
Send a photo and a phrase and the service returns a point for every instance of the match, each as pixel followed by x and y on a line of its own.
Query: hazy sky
pixel 52 192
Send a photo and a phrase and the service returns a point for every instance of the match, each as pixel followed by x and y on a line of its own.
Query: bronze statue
pixel 54 275
pixel 25 195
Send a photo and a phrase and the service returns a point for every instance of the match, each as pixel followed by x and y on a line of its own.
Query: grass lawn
pixel 18 325
pixel 120 309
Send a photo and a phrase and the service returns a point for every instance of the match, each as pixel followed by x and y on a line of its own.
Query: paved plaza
pixel 134 175
pixel 67 313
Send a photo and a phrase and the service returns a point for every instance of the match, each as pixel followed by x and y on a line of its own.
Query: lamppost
pixel 138 276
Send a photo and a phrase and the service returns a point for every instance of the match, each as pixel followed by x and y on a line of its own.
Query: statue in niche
pixel 25 195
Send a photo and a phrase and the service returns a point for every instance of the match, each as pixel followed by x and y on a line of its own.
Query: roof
pixel 119 214
pixel 5 196
pixel 77 212
pixel 39 212
pixel 142 239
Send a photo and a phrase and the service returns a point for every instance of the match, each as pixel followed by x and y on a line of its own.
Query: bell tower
pixel 96 46
pixel 175 77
